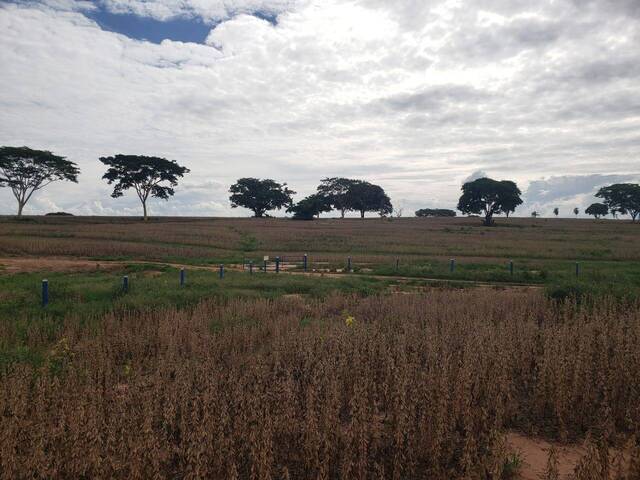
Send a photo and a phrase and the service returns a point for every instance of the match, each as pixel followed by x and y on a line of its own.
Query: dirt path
pixel 12 265
pixel 535 453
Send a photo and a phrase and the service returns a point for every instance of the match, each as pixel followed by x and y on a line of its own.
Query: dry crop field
pixel 308 376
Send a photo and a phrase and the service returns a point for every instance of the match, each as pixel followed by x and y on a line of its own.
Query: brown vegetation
pixel 410 386
pixel 372 240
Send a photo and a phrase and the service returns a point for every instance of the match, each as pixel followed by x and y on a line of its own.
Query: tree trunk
pixel 144 208
pixel 361 213
pixel 20 207
pixel 342 213
pixel 488 220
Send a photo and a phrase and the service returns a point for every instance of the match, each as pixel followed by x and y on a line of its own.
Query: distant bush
pixel 435 212
pixel 58 214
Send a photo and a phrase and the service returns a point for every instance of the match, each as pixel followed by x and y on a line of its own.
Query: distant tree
pixel 310 207
pixel 366 197
pixel 336 190
pixel 58 214
pixel 556 211
pixel 25 171
pixel 435 212
pixel 260 196
pixel 622 198
pixel 576 211
pixel 148 176
pixel 535 214
pixel 489 197
pixel 597 210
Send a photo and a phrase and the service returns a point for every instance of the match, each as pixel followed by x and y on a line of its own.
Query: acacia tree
pixel 336 190
pixel 489 197
pixel 597 210
pixel 576 211
pixel 556 211
pixel 366 197
pixel 622 198
pixel 309 207
pixel 260 196
pixel 25 171
pixel 148 176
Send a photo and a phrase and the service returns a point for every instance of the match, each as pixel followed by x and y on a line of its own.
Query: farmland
pixel 412 371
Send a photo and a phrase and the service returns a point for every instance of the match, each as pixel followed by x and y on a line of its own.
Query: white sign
pixel 266 258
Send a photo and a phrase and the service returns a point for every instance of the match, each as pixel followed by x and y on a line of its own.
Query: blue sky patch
pixel 145 28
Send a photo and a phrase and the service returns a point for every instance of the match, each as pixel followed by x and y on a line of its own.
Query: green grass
pixel 85 297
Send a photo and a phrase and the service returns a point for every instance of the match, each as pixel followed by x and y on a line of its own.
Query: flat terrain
pixel 399 369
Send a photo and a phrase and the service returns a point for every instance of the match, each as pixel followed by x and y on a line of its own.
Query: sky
pixel 417 96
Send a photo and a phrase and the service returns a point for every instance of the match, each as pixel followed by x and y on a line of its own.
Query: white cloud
pixel 412 95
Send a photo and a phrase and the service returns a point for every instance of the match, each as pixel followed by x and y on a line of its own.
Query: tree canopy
pixel 435 212
pixel 336 190
pixel 489 197
pixel 366 197
pixel 310 207
pixel 148 176
pixel 597 210
pixel 25 171
pixel 622 198
pixel 260 196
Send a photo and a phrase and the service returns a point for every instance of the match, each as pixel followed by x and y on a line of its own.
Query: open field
pixel 407 373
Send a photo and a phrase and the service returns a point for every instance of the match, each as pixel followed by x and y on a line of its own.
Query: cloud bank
pixel 415 96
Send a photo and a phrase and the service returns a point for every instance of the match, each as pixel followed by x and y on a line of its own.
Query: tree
pixel 556 211
pixel 366 197
pixel 336 190
pixel 576 211
pixel 148 176
pixel 622 198
pixel 489 197
pixel 25 171
pixel 309 207
pixel 535 214
pixel 260 196
pixel 597 210
pixel 435 212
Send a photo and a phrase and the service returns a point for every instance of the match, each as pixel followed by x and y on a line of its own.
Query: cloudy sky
pixel 414 95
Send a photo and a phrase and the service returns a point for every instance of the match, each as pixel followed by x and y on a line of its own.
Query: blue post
pixel 511 267
pixel 221 271
pixel 251 267
pixel 45 293
pixel 348 264
pixel 305 260
pixel 452 265
pixel 277 264
pixel 125 283
pixel 577 269
pixel 182 277
pixel 265 266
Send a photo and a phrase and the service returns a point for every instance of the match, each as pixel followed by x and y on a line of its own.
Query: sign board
pixel 266 258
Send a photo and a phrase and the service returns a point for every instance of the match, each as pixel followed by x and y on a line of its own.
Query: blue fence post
pixel 251 267
pixel 45 293
pixel 182 277
pixel 305 262
pixel 349 264
pixel 277 264
pixel 125 283
pixel 577 269
pixel 511 267
pixel 221 273
pixel 265 266
pixel 452 265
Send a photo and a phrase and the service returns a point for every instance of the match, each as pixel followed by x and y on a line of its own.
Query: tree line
pixel 25 171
